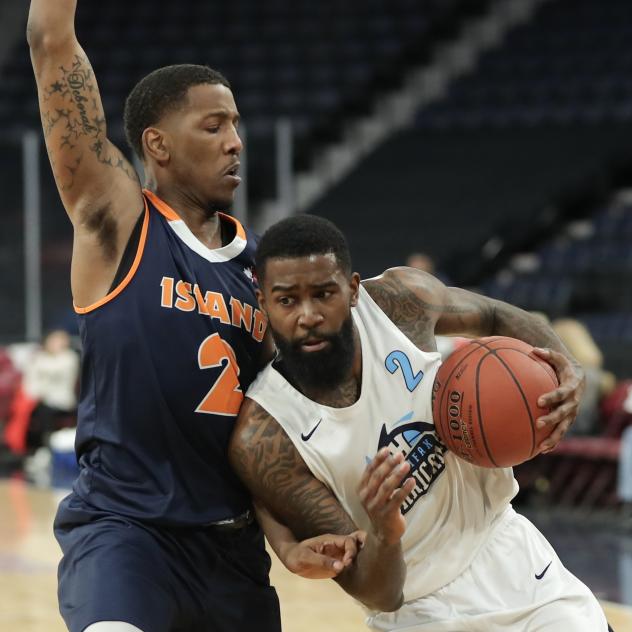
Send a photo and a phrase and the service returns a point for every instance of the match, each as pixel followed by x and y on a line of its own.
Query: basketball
pixel 484 401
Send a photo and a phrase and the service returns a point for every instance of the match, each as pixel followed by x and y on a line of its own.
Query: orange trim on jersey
pixel 172 216
pixel 128 277
pixel 241 233
pixel 162 207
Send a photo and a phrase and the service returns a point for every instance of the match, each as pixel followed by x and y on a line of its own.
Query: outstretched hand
pixel 382 493
pixel 563 402
pixel 324 556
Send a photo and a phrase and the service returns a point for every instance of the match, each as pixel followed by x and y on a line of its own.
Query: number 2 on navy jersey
pixel 225 396
pixel 399 360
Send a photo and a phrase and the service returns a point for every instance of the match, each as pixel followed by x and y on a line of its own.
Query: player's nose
pixel 234 144
pixel 309 317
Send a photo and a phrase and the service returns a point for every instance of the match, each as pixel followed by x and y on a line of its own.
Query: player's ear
pixel 155 145
pixel 262 301
pixel 354 284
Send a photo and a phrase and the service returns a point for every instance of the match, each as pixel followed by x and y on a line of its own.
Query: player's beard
pixel 319 370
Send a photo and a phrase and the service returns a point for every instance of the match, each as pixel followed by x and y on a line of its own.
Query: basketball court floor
pixel 29 555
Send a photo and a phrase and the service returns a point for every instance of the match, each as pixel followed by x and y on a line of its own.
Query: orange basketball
pixel 485 398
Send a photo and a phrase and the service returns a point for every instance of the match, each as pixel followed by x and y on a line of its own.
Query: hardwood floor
pixel 29 555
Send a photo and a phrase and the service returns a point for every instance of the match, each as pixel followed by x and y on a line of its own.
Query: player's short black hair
pixel 161 91
pixel 302 236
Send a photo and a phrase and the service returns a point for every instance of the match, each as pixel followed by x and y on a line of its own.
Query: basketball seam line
pixel 554 383
pixel 522 394
pixel 478 406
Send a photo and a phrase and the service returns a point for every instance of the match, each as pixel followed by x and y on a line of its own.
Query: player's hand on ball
pixel 324 556
pixel 382 493
pixel 563 402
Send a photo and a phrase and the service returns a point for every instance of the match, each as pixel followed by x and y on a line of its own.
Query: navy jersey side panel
pixel 165 365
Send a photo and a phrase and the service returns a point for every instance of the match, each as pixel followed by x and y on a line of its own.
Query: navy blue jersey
pixel 167 356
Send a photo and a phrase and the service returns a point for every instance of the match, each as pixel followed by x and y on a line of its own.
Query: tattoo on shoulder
pixel 412 315
pixel 71 103
pixel 273 469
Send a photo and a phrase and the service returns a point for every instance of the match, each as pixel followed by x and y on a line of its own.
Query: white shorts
pixel 515 583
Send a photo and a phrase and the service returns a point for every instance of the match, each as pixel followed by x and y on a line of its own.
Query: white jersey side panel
pixel 454 504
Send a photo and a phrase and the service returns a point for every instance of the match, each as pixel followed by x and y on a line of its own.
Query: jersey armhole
pixel 129 255
pixel 385 318
pixel 127 268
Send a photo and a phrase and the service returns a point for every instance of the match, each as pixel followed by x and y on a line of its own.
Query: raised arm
pixel 266 460
pixel 97 185
pixel 422 307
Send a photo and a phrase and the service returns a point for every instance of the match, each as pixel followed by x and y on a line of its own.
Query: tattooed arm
pixel 421 306
pixel 266 460
pixel 97 185
pixel 320 557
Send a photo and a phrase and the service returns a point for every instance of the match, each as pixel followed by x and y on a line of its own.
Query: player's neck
pixel 202 222
pixel 344 395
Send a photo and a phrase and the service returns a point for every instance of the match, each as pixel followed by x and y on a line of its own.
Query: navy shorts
pixel 188 579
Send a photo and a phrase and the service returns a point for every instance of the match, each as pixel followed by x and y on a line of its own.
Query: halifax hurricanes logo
pixel 418 442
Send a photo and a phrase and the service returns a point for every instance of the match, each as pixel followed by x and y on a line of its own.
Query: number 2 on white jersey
pixel 398 360
pixel 225 396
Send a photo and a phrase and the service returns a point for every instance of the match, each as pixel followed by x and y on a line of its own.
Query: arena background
pixel 491 136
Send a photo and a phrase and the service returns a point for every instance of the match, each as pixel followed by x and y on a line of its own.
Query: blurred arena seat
pixel 313 62
pixel 588 275
pixel 568 65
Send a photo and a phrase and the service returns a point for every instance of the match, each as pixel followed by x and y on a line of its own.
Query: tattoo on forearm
pixel 273 469
pixel 516 323
pixel 81 118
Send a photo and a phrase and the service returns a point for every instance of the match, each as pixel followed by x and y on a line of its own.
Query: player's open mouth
pixel 232 173
pixel 314 344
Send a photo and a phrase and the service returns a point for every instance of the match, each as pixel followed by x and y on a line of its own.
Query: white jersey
pixel 450 512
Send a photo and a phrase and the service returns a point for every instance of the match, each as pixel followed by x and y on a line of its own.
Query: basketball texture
pixel 484 401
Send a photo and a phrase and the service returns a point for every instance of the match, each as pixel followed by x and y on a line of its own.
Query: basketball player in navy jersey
pixel 158 532
pixel 352 384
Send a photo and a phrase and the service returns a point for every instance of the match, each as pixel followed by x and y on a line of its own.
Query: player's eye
pixel 213 130
pixel 285 300
pixel 324 294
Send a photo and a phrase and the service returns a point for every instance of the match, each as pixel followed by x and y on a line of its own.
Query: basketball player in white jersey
pixel 351 386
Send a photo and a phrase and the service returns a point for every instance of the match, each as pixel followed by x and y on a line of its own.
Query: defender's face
pixel 206 145
pixel 307 300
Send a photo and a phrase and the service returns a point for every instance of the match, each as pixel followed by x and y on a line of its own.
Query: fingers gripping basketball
pixel 485 401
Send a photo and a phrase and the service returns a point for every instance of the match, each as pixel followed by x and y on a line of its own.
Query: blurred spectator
pixel 51 380
pixel 47 398
pixel 616 409
pixel 599 382
pixel 421 261
pixel 9 384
